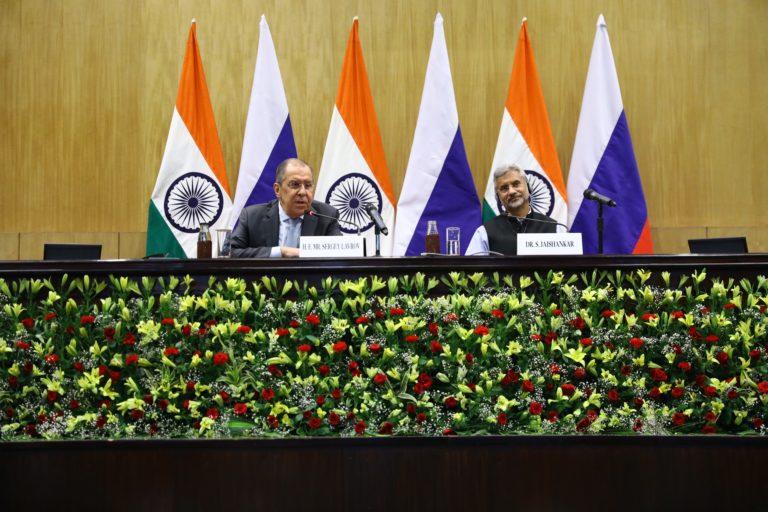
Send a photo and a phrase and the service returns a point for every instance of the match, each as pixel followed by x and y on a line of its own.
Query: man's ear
pixel 276 188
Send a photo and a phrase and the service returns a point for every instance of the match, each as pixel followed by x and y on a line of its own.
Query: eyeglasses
pixel 296 185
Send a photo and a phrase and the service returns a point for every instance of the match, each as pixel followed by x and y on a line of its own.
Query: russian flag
pixel 438 184
pixel 603 159
pixel 268 136
pixel 354 171
pixel 525 139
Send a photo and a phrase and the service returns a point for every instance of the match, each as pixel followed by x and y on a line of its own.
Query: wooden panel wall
pixel 88 88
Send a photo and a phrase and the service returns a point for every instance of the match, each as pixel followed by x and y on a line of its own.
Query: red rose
pixel 220 359
pixel 497 313
pixel 28 322
pixel 655 392
pixel 710 417
pixel 435 347
pixel 729 305
pixel 315 423
pixel 22 345
pixel 333 419
pixel 722 357
pixel 535 408
pixel 353 366
pixel 677 392
pixel 339 346
pixel 757 422
pixel 510 378
pixel 272 421
pixel 129 339
pixel 607 313
pixel 411 409
pixel 49 317
pixel 137 414
pixel 114 376
pixel 552 416
pixel 583 424
pixel 710 391
pixel 762 387
pixel 701 379
pixel 709 429
pixel 378 314
pixel 586 342
pixel 320 399
pixel 636 343
pixel 711 338
pixel 704 311
pixel 79 367
pixel 186 330
pixel 131 359
pixel 52 359
pixel 243 329
pixel 361 320
pixel 646 317
pixel 148 399
pixel 380 378
pixel 360 427
pixel 304 348
pixel 313 319
pixel 52 396
pixel 448 432
pixel 528 386
pixel 307 414
pixel 536 337
pixel 13 381
pixel 578 323
pixel 677 314
pixel 171 351
pixel 267 394
pixel 323 370
pixel 412 338
pixel 557 312
pixel 554 368
pixel 421 417
pixel 425 380
pixel 433 328
pixel 109 333
pixel 212 413
pixel 502 419
pixel 733 394
pixel 676 348
pixel 282 331
pixel 684 366
pixel 191 386
pixel 336 394
pixel 638 426
pixel 626 370
pixel 613 395
pixel 469 358
pixel 659 375
pixel 386 428
pixel 396 311
pixel 481 330
pixel 550 337
pixel 679 418
pixel 754 354
pixel 451 402
pixel 568 389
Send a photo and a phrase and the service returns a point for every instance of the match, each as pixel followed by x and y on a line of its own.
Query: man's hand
pixel 289 252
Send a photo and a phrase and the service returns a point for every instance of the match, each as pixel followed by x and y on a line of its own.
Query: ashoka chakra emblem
pixel 542 194
pixel 192 199
pixel 348 195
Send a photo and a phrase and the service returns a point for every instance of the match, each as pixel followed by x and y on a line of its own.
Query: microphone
pixel 373 213
pixel 544 221
pixel 600 198
pixel 313 213
pixel 485 253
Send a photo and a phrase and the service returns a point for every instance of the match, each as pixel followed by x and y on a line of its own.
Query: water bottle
pixel 204 243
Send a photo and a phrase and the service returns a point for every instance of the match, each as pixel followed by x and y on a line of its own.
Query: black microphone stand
pixel 377 235
pixel 600 228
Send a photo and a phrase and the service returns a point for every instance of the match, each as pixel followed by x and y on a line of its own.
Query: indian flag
pixel 525 139
pixel 354 171
pixel 192 186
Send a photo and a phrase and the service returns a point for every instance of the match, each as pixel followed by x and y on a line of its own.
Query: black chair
pixel 732 245
pixel 72 252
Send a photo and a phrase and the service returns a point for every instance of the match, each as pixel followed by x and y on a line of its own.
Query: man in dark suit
pixel 272 230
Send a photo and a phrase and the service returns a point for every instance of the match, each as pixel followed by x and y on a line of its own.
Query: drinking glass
pixel 453 241
pixel 223 238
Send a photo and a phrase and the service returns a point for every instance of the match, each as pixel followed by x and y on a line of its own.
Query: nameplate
pixel 331 246
pixel 538 244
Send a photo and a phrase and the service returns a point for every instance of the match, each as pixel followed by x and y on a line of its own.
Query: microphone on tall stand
pixel 373 213
pixel 592 195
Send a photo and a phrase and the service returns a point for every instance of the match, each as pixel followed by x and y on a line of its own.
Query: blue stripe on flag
pixel 453 201
pixel 284 147
pixel 617 177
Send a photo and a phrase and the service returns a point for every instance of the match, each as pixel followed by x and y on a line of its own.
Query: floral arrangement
pixel 457 355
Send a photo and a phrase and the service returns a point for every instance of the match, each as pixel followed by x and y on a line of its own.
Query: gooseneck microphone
pixel 373 213
pixel 543 221
pixel 313 213
pixel 592 195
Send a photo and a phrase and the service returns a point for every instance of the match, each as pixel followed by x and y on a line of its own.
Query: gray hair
pixel 282 166
pixel 506 169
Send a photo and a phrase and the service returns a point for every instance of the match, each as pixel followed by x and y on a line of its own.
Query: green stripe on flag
pixel 160 238
pixel 488 212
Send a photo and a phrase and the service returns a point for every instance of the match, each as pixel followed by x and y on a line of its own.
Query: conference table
pixel 535 472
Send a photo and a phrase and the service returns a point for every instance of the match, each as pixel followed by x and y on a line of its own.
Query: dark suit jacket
pixel 258 228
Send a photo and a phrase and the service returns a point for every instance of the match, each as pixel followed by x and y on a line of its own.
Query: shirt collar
pixel 284 216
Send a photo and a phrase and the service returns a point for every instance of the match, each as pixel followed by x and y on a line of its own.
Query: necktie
pixel 292 231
